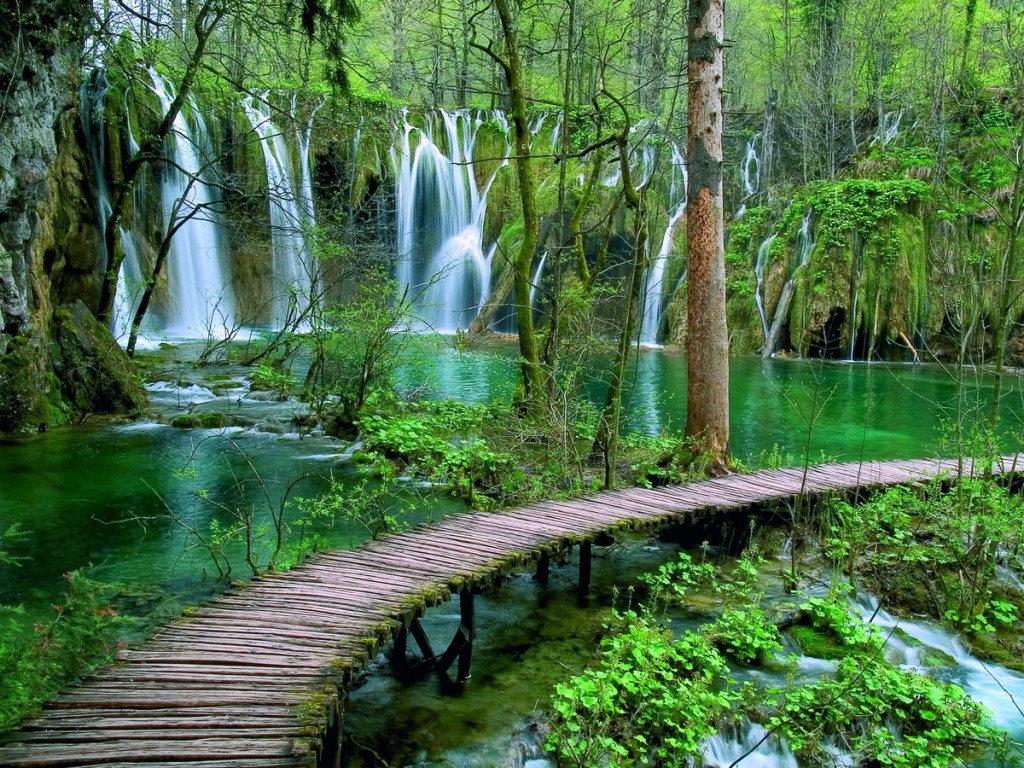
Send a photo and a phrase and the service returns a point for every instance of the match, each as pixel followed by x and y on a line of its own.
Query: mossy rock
pixel 819 645
pixel 96 375
pixel 1004 647
pixel 206 420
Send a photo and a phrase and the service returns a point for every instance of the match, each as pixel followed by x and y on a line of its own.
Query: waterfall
pixel 763 252
pixel 888 128
pixel 856 273
pixel 442 259
pixel 537 275
pixel 652 298
pixel 93 93
pixel 803 249
pixel 751 168
pixel 291 215
pixel 750 745
pixel 203 304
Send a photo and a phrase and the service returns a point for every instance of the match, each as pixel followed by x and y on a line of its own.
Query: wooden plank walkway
pixel 256 677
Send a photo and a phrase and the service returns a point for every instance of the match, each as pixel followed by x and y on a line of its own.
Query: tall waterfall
pixel 803 249
pixel 291 214
pixel 653 299
pixel 202 300
pixel 442 258
pixel 763 252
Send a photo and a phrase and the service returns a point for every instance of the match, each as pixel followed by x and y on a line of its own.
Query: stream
pixel 100 494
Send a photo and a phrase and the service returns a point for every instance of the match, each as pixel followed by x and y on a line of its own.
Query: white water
pixel 654 302
pixel 442 258
pixel 888 128
pixel 724 749
pixel 751 168
pixel 802 256
pixel 535 282
pixel 129 285
pixel 202 301
pixel 763 253
pixel 999 689
pixel 804 242
pixel 291 216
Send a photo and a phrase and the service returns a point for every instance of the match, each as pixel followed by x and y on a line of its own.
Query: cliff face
pixel 47 247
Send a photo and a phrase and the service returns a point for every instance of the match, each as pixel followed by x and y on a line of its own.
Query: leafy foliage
pixel 35 666
pixel 654 696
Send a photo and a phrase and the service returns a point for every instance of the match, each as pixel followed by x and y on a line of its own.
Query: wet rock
pixel 96 375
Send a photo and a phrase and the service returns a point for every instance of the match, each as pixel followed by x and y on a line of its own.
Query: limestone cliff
pixel 46 257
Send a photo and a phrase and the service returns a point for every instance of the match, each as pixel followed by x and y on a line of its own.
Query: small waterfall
pixel 888 128
pixel 803 249
pixel 751 168
pixel 440 217
pixel 93 93
pixel 763 252
pixel 856 274
pixel 202 298
pixel 291 214
pixel 93 96
pixel 537 275
pixel 725 749
pixel 653 301
pixel 999 689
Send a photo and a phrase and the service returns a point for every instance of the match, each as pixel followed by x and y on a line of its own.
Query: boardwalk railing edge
pixel 258 675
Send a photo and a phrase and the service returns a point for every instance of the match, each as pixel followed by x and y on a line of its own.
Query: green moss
pixel 820 645
pixel 205 420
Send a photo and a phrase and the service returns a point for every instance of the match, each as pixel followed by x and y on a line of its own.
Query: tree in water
pixel 511 65
pixel 707 345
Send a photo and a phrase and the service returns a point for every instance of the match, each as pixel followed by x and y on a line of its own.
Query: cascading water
pixel 763 252
pixel 291 216
pixel 654 303
pixel 93 94
pixel 751 168
pixel 888 128
pixel 442 258
pixel 537 275
pixel 202 301
pixel 1000 690
pixel 803 249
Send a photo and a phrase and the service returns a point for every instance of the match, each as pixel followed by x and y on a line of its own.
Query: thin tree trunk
pixel 206 21
pixel 533 377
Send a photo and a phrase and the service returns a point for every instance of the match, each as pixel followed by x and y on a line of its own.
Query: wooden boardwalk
pixel 257 677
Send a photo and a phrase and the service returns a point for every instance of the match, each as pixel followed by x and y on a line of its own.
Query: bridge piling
pixel 586 555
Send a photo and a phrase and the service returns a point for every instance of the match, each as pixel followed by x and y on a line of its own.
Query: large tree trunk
pixel 707 345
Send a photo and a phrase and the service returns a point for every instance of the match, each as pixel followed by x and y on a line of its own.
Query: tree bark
pixel 707 345
pixel 533 377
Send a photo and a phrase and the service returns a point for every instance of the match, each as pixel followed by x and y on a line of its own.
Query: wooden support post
pixel 400 649
pixel 586 550
pixel 543 568
pixel 461 646
pixel 329 754
pixel 467 607
pixel 420 636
